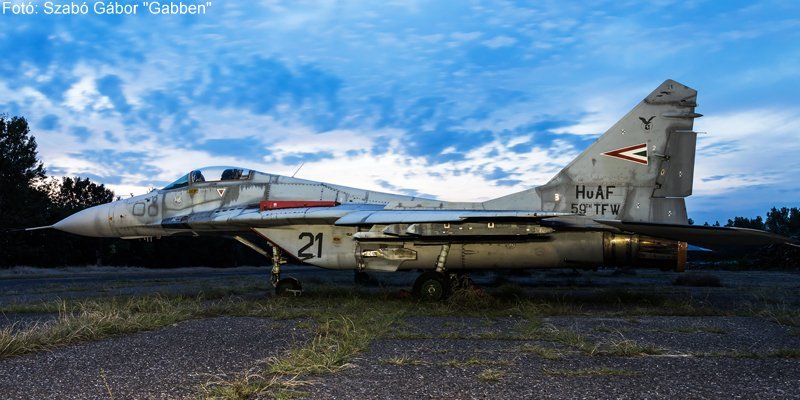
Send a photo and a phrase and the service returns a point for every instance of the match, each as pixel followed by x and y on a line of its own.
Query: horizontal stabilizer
pixel 712 237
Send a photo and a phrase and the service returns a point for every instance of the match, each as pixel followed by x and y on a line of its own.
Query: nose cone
pixel 89 222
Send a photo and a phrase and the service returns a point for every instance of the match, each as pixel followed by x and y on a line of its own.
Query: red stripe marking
pixel 278 204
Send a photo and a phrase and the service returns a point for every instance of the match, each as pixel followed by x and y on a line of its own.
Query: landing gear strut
pixel 434 285
pixel 277 260
pixel 286 286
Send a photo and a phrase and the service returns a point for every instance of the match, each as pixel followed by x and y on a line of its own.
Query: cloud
pixel 83 95
pixel 598 107
pixel 81 133
pixel 110 86
pixel 454 102
pixel 247 149
pixel 465 36
pixel 300 158
pixel 499 41
pixel 735 153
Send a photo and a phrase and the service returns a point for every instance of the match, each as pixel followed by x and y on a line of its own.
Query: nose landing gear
pixel 288 287
pixel 285 286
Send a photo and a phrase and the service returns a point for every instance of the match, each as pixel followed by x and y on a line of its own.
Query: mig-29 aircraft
pixel 619 203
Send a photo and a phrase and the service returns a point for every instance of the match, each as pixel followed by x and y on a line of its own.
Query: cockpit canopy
pixel 211 174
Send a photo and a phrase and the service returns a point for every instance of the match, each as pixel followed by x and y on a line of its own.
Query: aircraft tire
pixel 431 286
pixel 288 287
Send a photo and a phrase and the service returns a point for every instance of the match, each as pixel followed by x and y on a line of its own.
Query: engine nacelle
pixel 644 252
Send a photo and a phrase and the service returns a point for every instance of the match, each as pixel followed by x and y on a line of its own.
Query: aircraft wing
pixel 712 237
pixel 382 217
pixel 343 215
pixel 354 215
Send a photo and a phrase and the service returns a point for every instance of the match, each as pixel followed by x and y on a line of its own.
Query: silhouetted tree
pixel 743 222
pixel 19 168
pixel 784 221
pixel 22 204
pixel 68 196
pixel 74 194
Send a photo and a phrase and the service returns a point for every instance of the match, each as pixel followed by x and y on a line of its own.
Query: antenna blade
pixel 298 169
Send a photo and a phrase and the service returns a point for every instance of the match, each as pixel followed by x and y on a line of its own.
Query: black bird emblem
pixel 646 122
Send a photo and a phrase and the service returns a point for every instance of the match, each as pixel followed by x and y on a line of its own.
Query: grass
pixel 106 385
pixel 96 319
pixel 567 338
pixel 335 342
pixel 338 336
pixel 534 329
pixel 255 381
pixel 784 353
pixel 625 348
pixel 402 361
pixel 93 319
pixel 342 323
pixel 782 314
pixel 491 375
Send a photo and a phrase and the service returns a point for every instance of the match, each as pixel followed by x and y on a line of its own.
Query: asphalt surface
pixel 168 363
pixel 453 368
pixel 450 357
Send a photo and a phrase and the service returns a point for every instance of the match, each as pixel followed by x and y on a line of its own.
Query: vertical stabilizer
pixel 639 170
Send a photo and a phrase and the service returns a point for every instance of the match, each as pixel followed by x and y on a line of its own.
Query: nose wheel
pixel 288 287
pixel 285 286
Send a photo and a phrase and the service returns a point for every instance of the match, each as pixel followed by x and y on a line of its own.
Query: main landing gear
pixel 438 285
pixel 432 286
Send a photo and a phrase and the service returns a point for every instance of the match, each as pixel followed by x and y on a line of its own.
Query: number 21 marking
pixel 311 238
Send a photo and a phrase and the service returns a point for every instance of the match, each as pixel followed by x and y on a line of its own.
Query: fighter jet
pixel 619 203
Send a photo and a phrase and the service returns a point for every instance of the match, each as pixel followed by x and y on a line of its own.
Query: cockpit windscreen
pixel 210 174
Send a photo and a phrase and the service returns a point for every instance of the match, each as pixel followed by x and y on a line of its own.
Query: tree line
pixel 784 221
pixel 29 198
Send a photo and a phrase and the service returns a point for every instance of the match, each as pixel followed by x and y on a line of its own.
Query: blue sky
pixel 459 100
